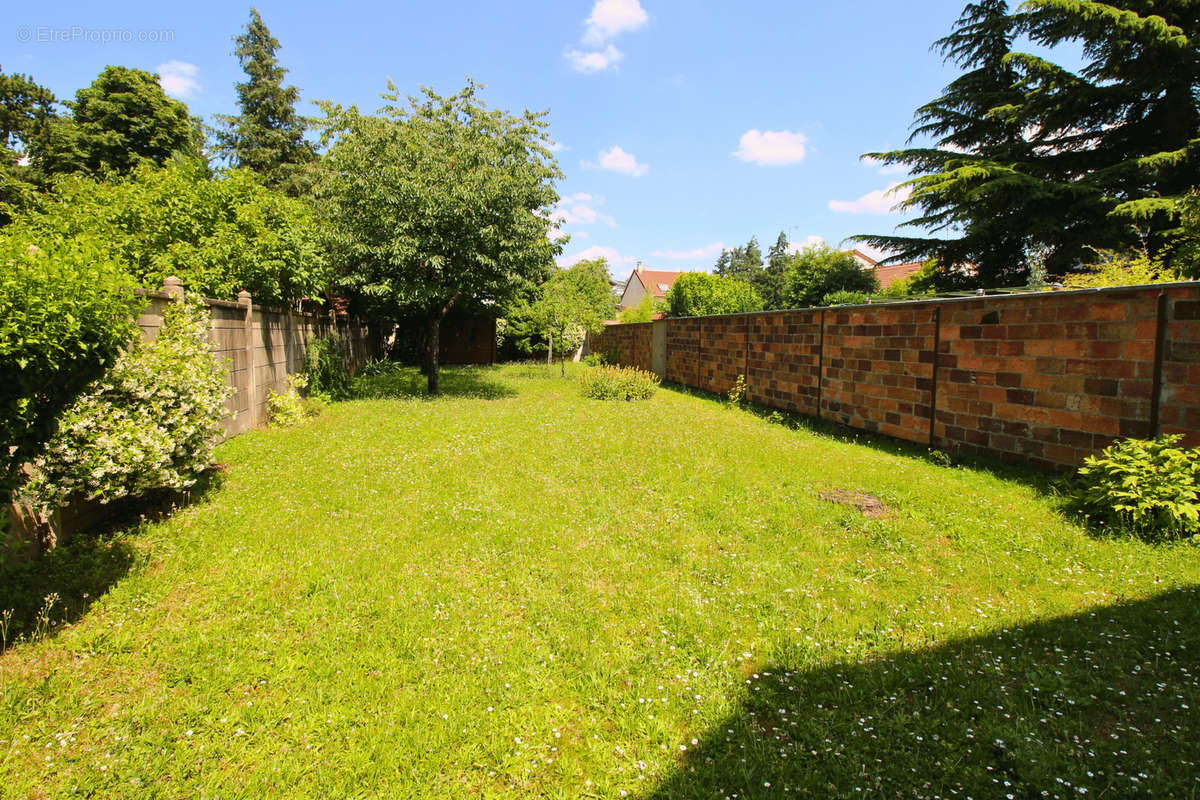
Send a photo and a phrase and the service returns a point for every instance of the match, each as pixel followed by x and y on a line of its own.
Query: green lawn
pixel 511 591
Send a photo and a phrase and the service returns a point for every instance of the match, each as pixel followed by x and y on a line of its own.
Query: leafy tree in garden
pixel 27 111
pixel 644 311
pixel 696 294
pixel 1030 157
pixel 572 301
pixel 818 271
pixel 125 119
pixel 66 309
pixel 437 205
pixel 218 236
pixel 268 136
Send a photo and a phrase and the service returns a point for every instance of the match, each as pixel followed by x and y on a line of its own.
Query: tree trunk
pixel 431 357
pixel 549 349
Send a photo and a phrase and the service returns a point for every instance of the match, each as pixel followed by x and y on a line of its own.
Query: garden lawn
pixel 511 591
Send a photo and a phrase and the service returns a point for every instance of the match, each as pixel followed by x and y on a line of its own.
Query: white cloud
pixel 555 147
pixel 615 259
pixel 771 148
pixel 178 78
pixel 704 251
pixel 594 60
pixel 880 201
pixel 610 17
pixel 811 241
pixel 580 209
pixel 617 160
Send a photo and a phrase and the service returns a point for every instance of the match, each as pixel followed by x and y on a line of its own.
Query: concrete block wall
pixel 1045 378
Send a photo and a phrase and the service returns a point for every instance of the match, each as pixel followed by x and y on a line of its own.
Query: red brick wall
pixel 628 344
pixel 1042 378
pixel 785 360
pixel 878 369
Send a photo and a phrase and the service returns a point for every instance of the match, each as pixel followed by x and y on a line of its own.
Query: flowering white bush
pixel 150 422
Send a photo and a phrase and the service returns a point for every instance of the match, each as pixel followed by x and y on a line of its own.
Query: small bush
pixel 150 422
pixel 844 298
pixel 595 360
pixel 737 392
pixel 289 408
pixel 325 370
pixel 379 366
pixel 1147 487
pixel 618 383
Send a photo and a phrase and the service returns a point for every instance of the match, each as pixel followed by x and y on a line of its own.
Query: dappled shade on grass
pixel 1104 703
pixel 408 382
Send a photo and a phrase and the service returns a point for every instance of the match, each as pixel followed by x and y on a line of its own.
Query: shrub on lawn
pixel 1150 487
pixel 324 369
pixel 150 422
pixel 618 383
pixel 843 297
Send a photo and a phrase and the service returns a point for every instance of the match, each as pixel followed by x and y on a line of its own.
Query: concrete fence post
pixel 245 300
pixel 173 287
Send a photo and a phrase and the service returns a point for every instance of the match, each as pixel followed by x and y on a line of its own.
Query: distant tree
pixel 439 204
pixel 268 136
pixel 573 301
pixel 644 311
pixel 818 271
pixel 770 284
pixel 722 266
pixel 696 294
pixel 125 119
pixel 26 113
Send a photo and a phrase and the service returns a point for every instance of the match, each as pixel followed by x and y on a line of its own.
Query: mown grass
pixel 511 591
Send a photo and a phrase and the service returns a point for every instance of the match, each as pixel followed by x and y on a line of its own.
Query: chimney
pixel 638 269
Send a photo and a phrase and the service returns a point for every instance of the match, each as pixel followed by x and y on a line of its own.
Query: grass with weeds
pixel 512 591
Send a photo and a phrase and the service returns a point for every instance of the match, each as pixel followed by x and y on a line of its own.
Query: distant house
pixel 642 282
pixel 887 274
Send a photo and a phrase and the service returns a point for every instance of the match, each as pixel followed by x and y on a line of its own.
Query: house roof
pixel 890 273
pixel 864 258
pixel 656 282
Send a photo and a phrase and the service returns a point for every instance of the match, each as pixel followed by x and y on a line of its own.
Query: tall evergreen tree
pixel 1029 157
pixel 122 120
pixel 268 136
pixel 770 284
pixel 26 112
pixel 722 266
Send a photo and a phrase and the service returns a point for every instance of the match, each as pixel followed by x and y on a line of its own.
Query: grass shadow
pixel 400 382
pixel 39 596
pixel 1102 703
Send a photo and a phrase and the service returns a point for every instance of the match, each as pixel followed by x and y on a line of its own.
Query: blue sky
pixel 684 126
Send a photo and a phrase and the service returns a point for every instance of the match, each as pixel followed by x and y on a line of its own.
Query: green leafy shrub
pixel 66 310
pixel 290 408
pixel 1150 487
pixel 150 422
pixel 381 366
pixel 618 383
pixel 595 360
pixel 737 392
pixel 324 368
pixel 697 294
pixel 843 297
pixel 817 271
pixel 218 236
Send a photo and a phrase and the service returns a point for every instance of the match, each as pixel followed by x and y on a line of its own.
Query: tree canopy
pixel 437 204
pixel 268 136
pixel 1030 157
pixel 818 271
pixel 122 120
pixel 698 294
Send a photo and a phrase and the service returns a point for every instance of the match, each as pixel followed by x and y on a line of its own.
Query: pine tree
pixel 268 136
pixel 770 284
pixel 1029 157
pixel 722 266
pixel 122 120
